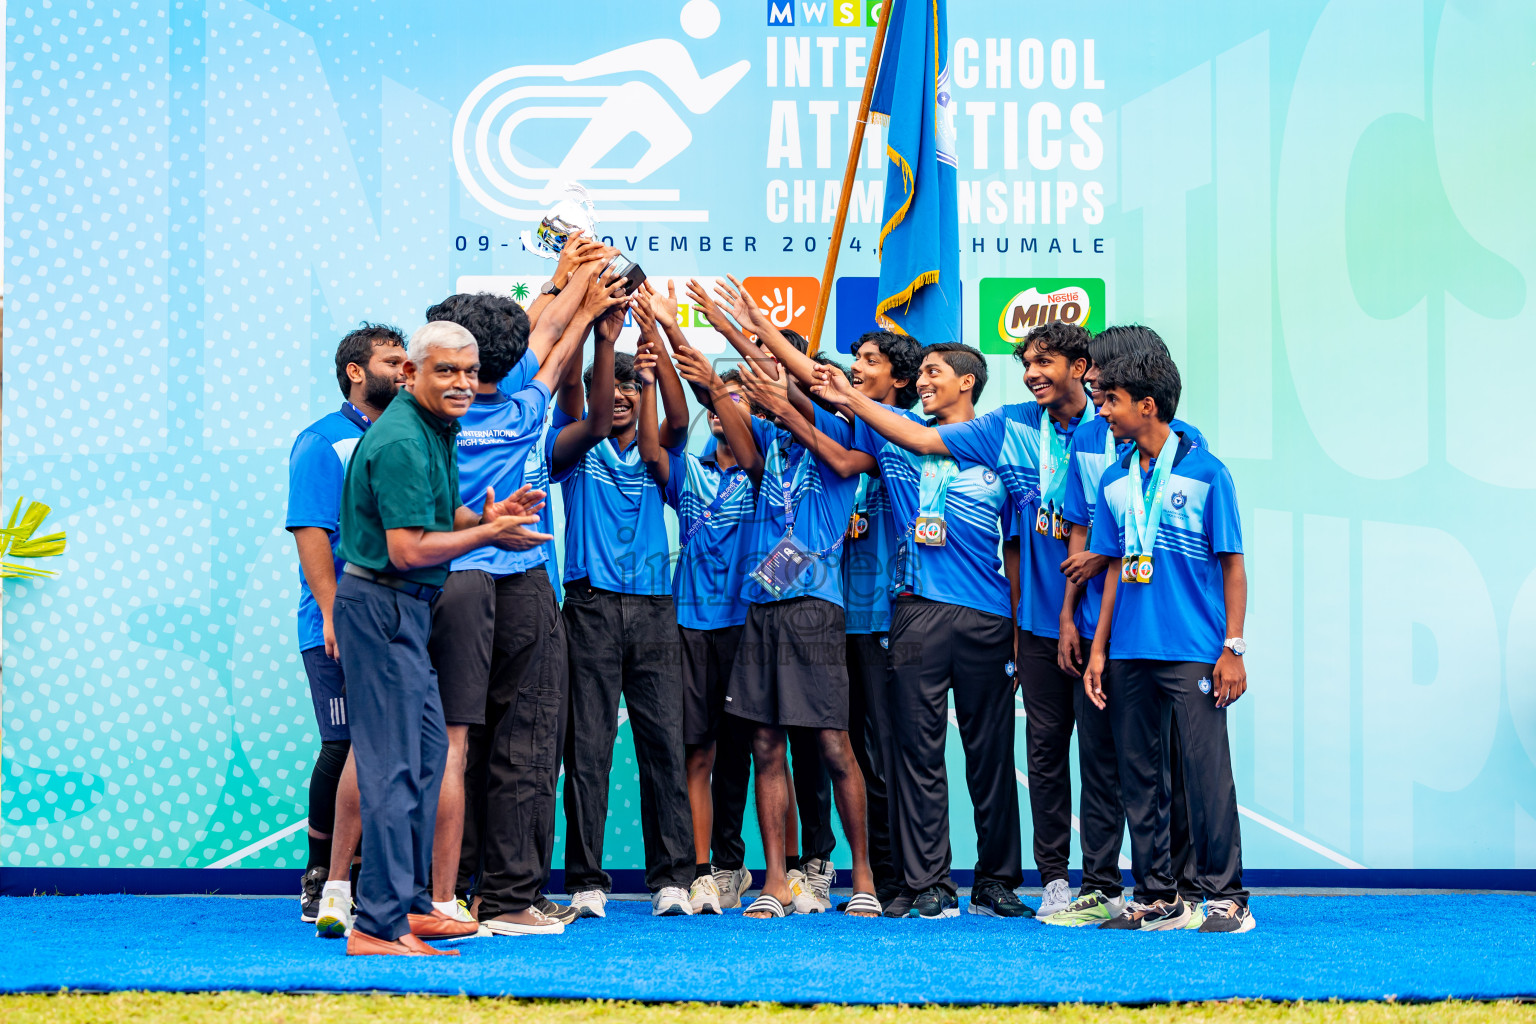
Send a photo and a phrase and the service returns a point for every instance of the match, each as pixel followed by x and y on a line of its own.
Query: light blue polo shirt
pixel 1008 439
pixel 1181 615
pixel 498 440
pixel 822 500
pixel 707 584
pixel 1090 457
pixel 867 562
pixel 615 526
pixel 317 468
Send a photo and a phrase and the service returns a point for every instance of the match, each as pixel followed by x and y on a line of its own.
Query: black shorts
pixel 463 631
pixel 328 690
pixel 792 666
pixel 708 656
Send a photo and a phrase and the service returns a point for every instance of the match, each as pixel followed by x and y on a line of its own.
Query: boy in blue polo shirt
pixel 1169 639
pixel 1101 812
pixel 790 668
pixel 715 496
pixel 621 626
pixel 951 629
pixel 497 641
pixel 370 364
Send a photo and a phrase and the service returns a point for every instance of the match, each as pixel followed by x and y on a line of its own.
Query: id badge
pixel 899 566
pixel 783 566
pixel 858 526
pixel 1043 522
pixel 929 530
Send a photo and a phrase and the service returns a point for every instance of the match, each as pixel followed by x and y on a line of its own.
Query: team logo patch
pixel 988 477
pixel 885 643
pixel 1009 669
pixel 1205 685
pixel 1178 499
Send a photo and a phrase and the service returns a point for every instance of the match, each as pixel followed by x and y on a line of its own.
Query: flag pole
pixel 854 151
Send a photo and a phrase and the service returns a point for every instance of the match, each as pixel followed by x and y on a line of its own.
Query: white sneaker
pixel 671 901
pixel 704 895
pixel 800 893
pixel 590 903
pixel 1058 897
pixel 820 876
pixel 456 909
pixel 732 884
pixel 334 921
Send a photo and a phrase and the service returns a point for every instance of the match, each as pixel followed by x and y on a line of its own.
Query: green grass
pixel 255 1008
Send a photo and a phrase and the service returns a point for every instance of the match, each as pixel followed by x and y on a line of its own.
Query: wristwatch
pixel 549 288
pixel 1236 645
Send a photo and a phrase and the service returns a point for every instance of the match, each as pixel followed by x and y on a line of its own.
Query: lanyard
pixel 787 482
pixel 722 495
pixel 1146 513
pixel 1053 459
pixel 937 473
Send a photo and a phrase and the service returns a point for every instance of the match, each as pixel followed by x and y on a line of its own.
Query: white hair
pixel 443 334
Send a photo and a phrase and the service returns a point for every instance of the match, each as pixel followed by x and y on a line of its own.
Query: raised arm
pixel 655 457
pixel 771 396
pixel 569 317
pixel 735 417
pixel 753 353
pixel 800 366
pixel 578 250
pixel 576 439
pixel 834 388
pixel 663 310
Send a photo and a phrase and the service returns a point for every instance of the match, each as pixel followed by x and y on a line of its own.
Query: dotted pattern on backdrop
pixel 156 712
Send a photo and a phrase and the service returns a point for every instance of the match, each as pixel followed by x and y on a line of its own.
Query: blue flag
pixel 919 232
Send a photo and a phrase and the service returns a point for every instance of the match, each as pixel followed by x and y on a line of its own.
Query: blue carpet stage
pixel 1306 947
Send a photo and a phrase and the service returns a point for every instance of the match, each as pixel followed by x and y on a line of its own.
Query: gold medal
pixel 1128 569
pixel 1144 569
pixel 858 526
pixel 929 530
pixel 1043 522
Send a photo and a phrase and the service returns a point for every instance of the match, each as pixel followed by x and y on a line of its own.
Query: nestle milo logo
pixel 1011 307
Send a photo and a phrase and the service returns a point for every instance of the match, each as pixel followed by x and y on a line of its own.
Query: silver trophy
pixel 571 216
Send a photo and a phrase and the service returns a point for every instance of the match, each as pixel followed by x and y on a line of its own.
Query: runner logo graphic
pixel 495 125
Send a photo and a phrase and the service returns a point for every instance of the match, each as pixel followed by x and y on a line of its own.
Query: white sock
pixel 451 907
pixel 339 889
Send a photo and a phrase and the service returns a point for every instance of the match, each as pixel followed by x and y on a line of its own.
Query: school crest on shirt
pixel 988 477
pixel 1178 499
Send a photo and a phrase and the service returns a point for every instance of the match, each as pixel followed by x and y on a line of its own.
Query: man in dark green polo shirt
pixel 401 524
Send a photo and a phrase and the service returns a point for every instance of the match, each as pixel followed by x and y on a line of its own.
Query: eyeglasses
pixel 628 387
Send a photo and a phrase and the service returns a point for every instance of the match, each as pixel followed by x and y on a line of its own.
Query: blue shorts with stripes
pixel 328 690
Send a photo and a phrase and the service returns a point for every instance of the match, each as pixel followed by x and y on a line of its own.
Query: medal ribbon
pixel 1052 458
pixel 787 479
pixel 1145 514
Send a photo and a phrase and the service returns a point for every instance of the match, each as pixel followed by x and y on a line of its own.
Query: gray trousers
pixel 400 744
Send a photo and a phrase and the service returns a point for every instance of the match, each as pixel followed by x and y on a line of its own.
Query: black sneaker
pixel 994 899
pixel 934 903
pixel 1228 916
pixel 549 908
pixel 1161 916
pixel 900 903
pixel 310 888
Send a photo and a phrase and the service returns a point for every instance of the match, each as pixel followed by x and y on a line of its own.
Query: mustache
pixel 458 393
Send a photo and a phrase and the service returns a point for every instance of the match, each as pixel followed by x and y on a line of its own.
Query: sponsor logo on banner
pixel 1013 306
pixel 834 13
pixel 695 325
pixel 501 136
pixel 790 302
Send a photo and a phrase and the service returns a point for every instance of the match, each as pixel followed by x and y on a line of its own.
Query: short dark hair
pixel 733 376
pixel 499 324
pixel 1113 342
pixel 963 359
pixel 906 357
pixel 1145 374
pixel 357 347
pixel 1057 336
pixel 623 370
